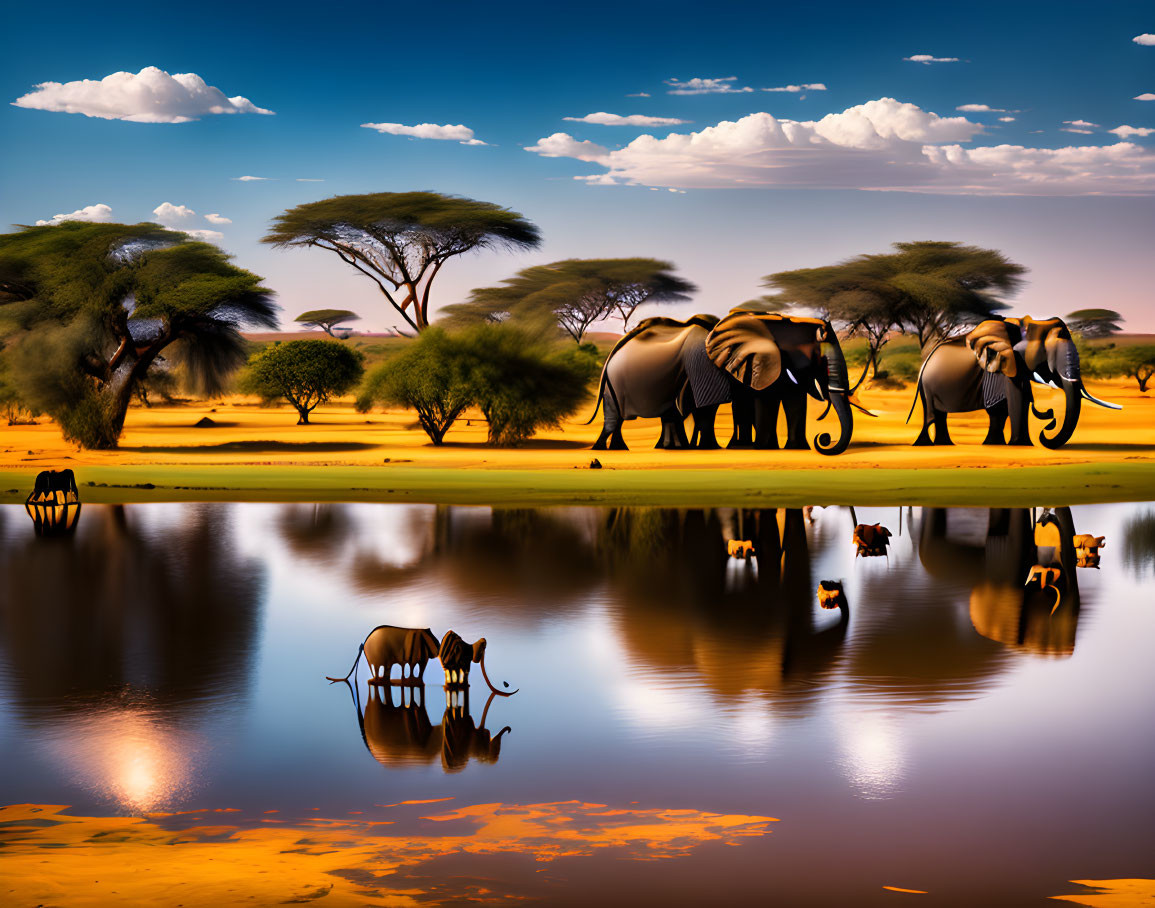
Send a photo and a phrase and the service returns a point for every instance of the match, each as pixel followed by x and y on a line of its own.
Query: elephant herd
pixel 759 362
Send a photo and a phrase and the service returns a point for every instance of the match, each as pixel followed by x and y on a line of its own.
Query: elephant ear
pixel 992 346
pixel 742 339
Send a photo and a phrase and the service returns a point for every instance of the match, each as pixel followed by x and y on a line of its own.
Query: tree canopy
pixel 400 240
pixel 327 319
pixel 1135 361
pixel 305 373
pixel 927 288
pixel 1095 322
pixel 575 293
pixel 95 306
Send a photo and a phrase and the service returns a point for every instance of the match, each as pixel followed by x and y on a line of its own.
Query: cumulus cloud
pixel 980 108
pixel 98 212
pixel 459 133
pixel 215 218
pixel 209 236
pixel 1124 131
pixel 639 94
pixel 794 89
pixel 1146 96
pixel 168 213
pixel 879 145
pixel 563 145
pixel 724 86
pixel 1145 40
pixel 608 119
pixel 149 96
pixel 928 59
pixel 249 179
pixel 1082 124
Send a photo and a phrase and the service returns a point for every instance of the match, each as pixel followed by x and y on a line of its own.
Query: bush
pixel 428 376
pixel 305 373
pixel 520 384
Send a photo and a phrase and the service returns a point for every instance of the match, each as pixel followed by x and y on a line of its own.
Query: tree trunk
pixel 304 416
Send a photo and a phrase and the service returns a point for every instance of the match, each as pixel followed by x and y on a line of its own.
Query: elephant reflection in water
pixel 1027 594
pixel 743 625
pixel 397 732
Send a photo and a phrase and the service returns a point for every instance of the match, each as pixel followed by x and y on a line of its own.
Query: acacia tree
pixel 576 293
pixel 327 319
pixel 1095 322
pixel 1135 361
pixel 400 240
pixel 95 305
pixel 305 373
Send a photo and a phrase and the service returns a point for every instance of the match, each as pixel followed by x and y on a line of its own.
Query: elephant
pixel 386 646
pixel 399 734
pixel 456 656
pixel 54 503
pixel 992 369
pixel 871 539
pixel 758 361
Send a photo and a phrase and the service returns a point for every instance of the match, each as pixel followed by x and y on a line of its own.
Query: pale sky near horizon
pixel 734 142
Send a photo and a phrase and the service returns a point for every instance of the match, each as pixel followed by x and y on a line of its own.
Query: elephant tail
pixel 601 394
pixel 603 379
pixel 918 389
pixel 356 662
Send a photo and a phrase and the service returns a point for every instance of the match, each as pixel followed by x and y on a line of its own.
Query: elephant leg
pixel 997 415
pixel 794 406
pixel 611 437
pixel 743 409
pixel 766 422
pixel 704 437
pixel 673 435
pixel 941 433
pixel 924 439
pixel 1017 410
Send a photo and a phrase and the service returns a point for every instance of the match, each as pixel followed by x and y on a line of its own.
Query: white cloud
pixel 1124 131
pixel 1082 132
pixel 209 236
pixel 459 133
pixel 794 89
pixel 1145 40
pixel 1146 96
pixel 167 213
pixel 706 86
pixel 608 119
pixel 928 59
pixel 879 145
pixel 1006 119
pixel 563 145
pixel 639 94
pixel 1081 124
pixel 215 218
pixel 979 108
pixel 150 96
pixel 249 179
pixel 98 212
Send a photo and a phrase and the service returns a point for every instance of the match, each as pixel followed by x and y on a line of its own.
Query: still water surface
pixel 687 723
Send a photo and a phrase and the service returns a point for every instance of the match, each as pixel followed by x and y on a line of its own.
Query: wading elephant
pixel 386 646
pixel 456 656
pixel 54 503
pixel 871 540
pixel 758 361
pixel 992 369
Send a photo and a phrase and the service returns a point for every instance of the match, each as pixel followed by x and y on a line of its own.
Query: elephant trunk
pixel 485 675
pixel 839 400
pixel 1072 391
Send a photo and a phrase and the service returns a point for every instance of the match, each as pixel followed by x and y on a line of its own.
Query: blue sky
pixel 755 194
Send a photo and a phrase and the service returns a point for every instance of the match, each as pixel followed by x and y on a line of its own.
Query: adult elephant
pixel 671 369
pixel 992 368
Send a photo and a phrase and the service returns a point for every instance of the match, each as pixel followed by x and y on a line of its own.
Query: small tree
pixel 1135 361
pixel 520 385
pixel 400 240
pixel 428 376
pixel 1095 322
pixel 327 319
pixel 304 372
pixel 575 294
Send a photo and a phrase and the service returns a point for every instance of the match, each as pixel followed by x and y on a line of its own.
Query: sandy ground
pixel 1111 456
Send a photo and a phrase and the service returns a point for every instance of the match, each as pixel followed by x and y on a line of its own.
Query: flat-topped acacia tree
pixel 94 307
pixel 400 240
pixel 327 319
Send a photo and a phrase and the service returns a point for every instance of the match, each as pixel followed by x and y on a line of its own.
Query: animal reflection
pixel 831 595
pixel 1087 549
pixel 871 540
pixel 54 503
pixel 397 732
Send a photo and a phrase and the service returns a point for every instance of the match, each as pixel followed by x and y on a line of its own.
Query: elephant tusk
pixel 790 375
pixel 1058 600
pixel 1039 379
pixel 1095 400
pixel 818 388
pixel 829 404
pixel 858 406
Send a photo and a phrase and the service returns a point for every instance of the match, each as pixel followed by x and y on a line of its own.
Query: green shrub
pixel 305 373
